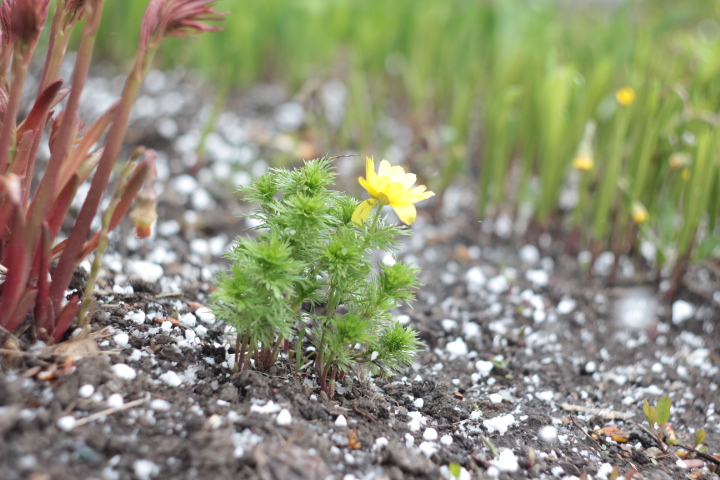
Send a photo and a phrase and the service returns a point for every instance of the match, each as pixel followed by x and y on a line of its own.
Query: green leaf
pixel 663 410
pixel 699 437
pixel 455 469
pixel 650 414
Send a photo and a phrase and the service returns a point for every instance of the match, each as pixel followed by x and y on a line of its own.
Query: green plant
pixel 30 223
pixel 308 274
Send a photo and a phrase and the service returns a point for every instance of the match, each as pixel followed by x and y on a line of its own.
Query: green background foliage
pixel 502 90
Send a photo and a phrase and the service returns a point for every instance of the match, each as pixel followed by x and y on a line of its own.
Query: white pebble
pixel 160 405
pixel 539 277
pixel 529 254
pixel 566 306
pixel 506 461
pixel 121 339
pixel 495 398
pixel 66 423
pixel 430 434
pixel 205 315
pixel 681 311
pixel 166 326
pixel 475 278
pixel 284 418
pixel 591 367
pixel 446 440
pixel 145 469
pixel 419 403
pixel 414 425
pixel 124 371
pixel 146 271
pixel 498 284
pixel 115 400
pixel 548 433
pixel 341 421
pixel 86 391
pixel 268 408
pixel 448 324
pixel 428 448
pixel 457 348
pixel 499 424
pixel 188 320
pixel 483 367
pixel 171 378
pixel 545 396
pixel 137 317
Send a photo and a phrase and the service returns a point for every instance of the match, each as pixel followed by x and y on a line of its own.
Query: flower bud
pixel 639 213
pixel 176 18
pixel 27 20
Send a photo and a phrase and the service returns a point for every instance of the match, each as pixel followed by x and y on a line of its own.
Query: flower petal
pixel 362 212
pixel 384 169
pixel 370 174
pixel 406 212
pixel 371 188
pixel 395 192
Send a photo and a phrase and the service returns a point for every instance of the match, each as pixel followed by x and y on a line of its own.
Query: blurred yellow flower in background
pixel 583 163
pixel 390 186
pixel 625 96
pixel 639 213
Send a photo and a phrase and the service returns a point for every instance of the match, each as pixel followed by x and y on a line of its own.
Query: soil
pixel 527 355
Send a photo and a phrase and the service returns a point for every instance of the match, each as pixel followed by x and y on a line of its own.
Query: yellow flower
pixel 639 213
pixel 625 96
pixel 390 186
pixel 583 163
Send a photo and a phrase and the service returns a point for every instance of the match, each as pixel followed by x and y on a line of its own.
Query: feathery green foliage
pixel 308 274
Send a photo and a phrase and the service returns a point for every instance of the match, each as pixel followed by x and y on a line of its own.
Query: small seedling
pixel 658 417
pixel 308 274
pixel 455 469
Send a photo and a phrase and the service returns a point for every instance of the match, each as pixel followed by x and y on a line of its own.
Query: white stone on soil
pixel 475 278
pixel 498 284
pixel 115 400
pixel 457 348
pixel 268 408
pixel 506 461
pixel 539 277
pixel 341 421
pixel 205 315
pixel 499 424
pixel 171 378
pixel 145 271
pixel 66 423
pixel 529 254
pixel 124 371
pixel 419 403
pixel 188 320
pixel 86 391
pixel 121 339
pixel 548 433
pixel 137 317
pixel 483 367
pixel 430 434
pixel 284 418
pixel 160 405
pixel 681 311
pixel 145 469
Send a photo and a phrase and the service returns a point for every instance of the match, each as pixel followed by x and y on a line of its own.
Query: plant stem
pixel 116 135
